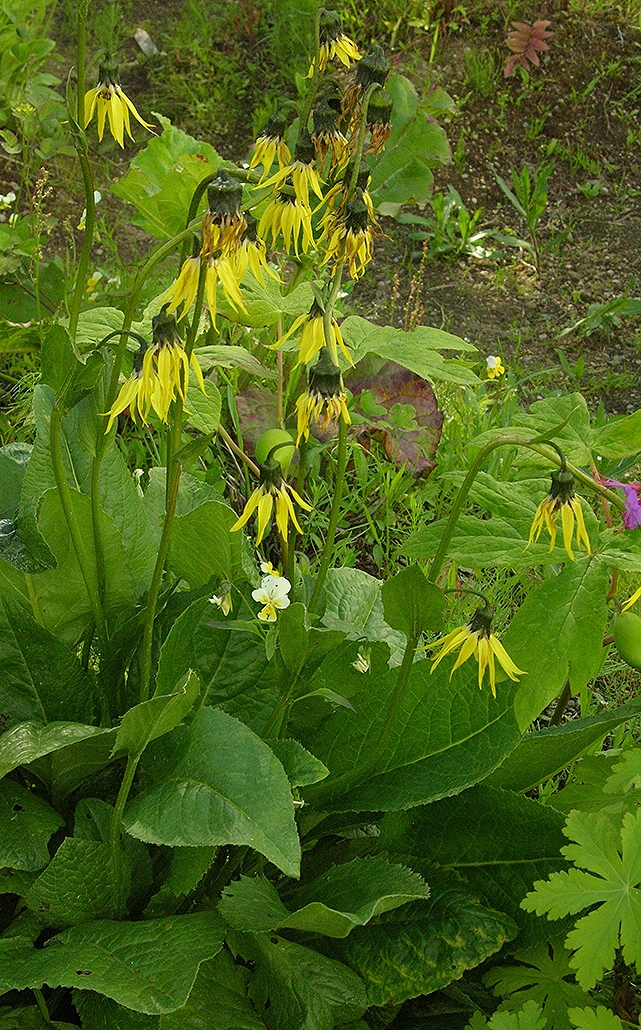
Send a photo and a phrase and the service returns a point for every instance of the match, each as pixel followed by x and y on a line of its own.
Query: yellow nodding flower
pixel 312 337
pixel 563 499
pixel 303 176
pixel 342 47
pixel 286 216
pixel 220 270
pixel 351 237
pixel 251 253
pixel 325 400
pixel 160 373
pixel 631 600
pixel 272 494
pixel 111 102
pixel 476 639
pixel 271 144
pixel 184 289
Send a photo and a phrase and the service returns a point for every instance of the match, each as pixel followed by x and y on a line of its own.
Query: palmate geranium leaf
pixel 594 1019
pixel 606 879
pixel 529 1017
pixel 543 975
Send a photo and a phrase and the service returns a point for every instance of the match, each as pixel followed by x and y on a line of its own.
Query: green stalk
pixel 87 180
pixel 334 516
pixel 306 106
pixel 116 822
pixel 66 502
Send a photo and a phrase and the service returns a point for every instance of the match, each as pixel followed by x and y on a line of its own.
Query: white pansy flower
pixel 272 594
pixel 362 663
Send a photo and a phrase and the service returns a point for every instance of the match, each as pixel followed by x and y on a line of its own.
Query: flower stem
pixel 116 821
pixel 306 106
pixel 238 451
pixel 87 179
pixel 334 516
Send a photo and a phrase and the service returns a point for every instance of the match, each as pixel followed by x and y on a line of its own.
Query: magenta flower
pixel 632 517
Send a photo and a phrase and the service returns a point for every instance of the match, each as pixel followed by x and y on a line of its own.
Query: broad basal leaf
pixel 156 716
pixel 346 896
pixel 353 604
pixel 28 741
pixel 148 966
pixel 295 988
pixel 210 795
pixel 423 946
pixel 26 825
pixel 202 546
pixel 466 833
pixel 80 883
pixel 606 880
pixel 417 350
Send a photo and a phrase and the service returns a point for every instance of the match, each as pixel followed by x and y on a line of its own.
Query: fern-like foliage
pixel 526 42
pixel 594 1019
pixel 607 882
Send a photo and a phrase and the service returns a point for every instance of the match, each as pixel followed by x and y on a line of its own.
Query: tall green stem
pixel 77 541
pixel 116 821
pixel 306 106
pixel 80 144
pixel 328 549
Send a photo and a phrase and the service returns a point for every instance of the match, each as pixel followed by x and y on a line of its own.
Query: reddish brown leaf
pixel 526 42
pixel 396 385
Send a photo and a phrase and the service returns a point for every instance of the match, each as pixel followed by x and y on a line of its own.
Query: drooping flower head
pixel 333 42
pixel 110 101
pixel 561 499
pixel 351 236
pixel 379 119
pixel 476 639
pixel 289 217
pixel 327 136
pixel 251 253
pixel 373 67
pixel 312 337
pixel 272 594
pixel 495 367
pixel 632 517
pixel 223 223
pixel 325 400
pixel 272 495
pixel 302 171
pixel 271 144
pixel 160 373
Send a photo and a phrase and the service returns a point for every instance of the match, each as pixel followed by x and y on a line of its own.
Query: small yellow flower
pixel 351 237
pixel 563 499
pixel 476 639
pixel 334 43
pixel 273 493
pixel 287 216
pixel 109 100
pixel 271 144
pixel 251 253
pixel 312 337
pixel 494 367
pixel 223 600
pixel 325 400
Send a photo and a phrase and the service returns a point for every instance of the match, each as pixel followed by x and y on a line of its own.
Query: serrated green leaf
pixel 210 795
pixel 594 1019
pixel 544 976
pixel 29 741
pixel 417 350
pixel 411 604
pixel 333 904
pixel 570 615
pixel 542 753
pixel 299 764
pixel 67 767
pixel 295 988
pixel 202 410
pixel 147 966
pixel 614 890
pixel 80 883
pixel 187 866
pixel 160 714
pixel 353 604
pixel 266 304
pixel 619 438
pixel 467 834
pixel 423 946
pixel 26 825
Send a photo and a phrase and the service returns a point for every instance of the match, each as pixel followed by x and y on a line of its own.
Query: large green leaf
pixel 448 735
pixel 411 604
pixel 301 766
pixel 28 741
pixel 557 635
pixel 467 834
pixel 148 966
pixel 619 438
pixel 346 896
pixel 163 177
pixel 416 144
pixel 418 350
pixel 266 304
pixel 30 1018
pixel 202 546
pixel 65 768
pixel 295 988
pixel 422 947
pixel 68 376
pixel 218 999
pixel 80 883
pixel 353 604
pixel 608 782
pixel 542 753
pixel 26 825
pixel 210 795
pixel 565 419
pixel 42 678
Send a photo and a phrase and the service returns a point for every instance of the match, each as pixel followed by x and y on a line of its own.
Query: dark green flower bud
pixel 325 377
pixel 356 213
pixel 481 621
pixel 108 71
pixel 305 151
pixel 325 118
pixel 224 195
pixel 363 177
pixel 164 329
pixel 373 67
pixel 276 126
pixel 562 488
pixel 329 26
pixel 379 109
